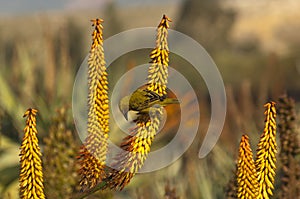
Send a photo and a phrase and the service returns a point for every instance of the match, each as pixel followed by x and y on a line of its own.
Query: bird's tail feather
pixel 170 101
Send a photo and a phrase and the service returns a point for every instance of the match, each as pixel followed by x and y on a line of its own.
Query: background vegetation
pixel 41 52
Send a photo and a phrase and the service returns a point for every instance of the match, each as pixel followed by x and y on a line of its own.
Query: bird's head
pixel 124 106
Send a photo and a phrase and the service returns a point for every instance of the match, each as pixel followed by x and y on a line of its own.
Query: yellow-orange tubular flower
pixel 137 145
pixel 31 174
pixel 266 153
pixel 92 155
pixel 158 71
pixel 246 172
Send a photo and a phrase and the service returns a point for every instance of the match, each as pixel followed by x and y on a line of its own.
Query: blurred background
pixel 255 45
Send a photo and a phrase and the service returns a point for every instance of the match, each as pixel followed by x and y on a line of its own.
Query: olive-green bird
pixel 141 100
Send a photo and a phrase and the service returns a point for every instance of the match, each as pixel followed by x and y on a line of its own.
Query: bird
pixel 140 102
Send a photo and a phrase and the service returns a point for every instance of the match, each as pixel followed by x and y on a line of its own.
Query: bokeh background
pixel 255 45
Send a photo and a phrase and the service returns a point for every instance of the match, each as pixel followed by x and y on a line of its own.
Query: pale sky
pixel 32 6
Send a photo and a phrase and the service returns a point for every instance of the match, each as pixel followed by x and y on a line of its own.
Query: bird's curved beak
pixel 125 113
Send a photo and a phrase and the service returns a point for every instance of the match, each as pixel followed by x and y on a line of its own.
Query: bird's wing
pixel 149 99
pixel 152 96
